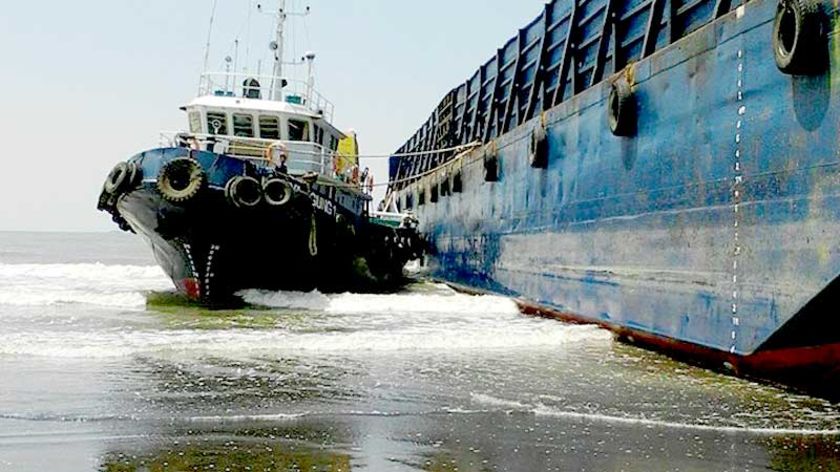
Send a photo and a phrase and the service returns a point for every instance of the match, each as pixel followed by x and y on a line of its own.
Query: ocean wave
pixel 286 300
pixel 119 286
pixel 282 341
pixel 441 301
pixel 542 410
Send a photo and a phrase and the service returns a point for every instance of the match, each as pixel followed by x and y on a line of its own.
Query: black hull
pixel 212 248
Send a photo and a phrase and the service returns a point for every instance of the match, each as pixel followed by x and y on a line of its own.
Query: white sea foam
pixel 91 284
pixel 441 301
pixel 498 402
pixel 247 342
pixel 540 409
pixel 422 304
pixel 426 318
pixel 286 300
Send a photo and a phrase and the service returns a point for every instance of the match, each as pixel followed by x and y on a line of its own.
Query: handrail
pixel 232 84
pixel 302 156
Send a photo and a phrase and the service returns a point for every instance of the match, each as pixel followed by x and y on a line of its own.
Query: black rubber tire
pixel 621 109
pixel 799 37
pixel 117 178
pixel 244 192
pixel 135 175
pixel 277 192
pixel 538 150
pixel 181 180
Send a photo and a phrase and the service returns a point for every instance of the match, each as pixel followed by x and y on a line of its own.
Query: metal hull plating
pixel 713 232
pixel 211 249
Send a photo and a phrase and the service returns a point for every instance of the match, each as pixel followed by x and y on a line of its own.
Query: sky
pixel 88 83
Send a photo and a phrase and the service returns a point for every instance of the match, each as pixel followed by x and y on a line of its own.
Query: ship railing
pixel 261 87
pixel 302 157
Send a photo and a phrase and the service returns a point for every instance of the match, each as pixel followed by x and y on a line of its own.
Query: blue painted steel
pixel 715 224
pixel 220 168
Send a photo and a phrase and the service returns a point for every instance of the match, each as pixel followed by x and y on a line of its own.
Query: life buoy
pixel 181 180
pixel 244 191
pixel 274 151
pixel 799 34
pixel 621 109
pixel 116 178
pixel 277 192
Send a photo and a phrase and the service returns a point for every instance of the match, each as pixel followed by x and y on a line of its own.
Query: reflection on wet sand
pixel 232 456
pixel 804 453
pixel 333 445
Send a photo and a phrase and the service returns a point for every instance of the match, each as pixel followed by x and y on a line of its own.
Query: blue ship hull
pixel 712 232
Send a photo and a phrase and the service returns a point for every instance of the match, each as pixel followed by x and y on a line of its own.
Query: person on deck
pixel 282 167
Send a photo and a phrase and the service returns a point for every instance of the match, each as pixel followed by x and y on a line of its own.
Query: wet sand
pixel 94 379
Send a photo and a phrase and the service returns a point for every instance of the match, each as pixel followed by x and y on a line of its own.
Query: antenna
pixel 228 60
pixel 209 35
pixel 309 58
pixel 235 56
pixel 278 47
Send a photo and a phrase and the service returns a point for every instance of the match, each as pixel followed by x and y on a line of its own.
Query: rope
pixel 313 238
pixel 468 146
pixel 238 144
pixel 413 177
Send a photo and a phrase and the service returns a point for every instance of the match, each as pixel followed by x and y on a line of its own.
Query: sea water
pixel 100 369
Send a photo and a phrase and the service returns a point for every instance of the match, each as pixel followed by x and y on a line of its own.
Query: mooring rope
pixel 313 238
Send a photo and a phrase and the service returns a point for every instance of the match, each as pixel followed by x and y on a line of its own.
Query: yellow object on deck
pixel 347 159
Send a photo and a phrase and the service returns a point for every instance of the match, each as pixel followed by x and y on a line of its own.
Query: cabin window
pixel 216 123
pixel 195 122
pixel 243 125
pixel 298 130
pixel 269 127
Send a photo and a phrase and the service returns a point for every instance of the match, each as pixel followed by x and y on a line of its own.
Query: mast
pixel 277 92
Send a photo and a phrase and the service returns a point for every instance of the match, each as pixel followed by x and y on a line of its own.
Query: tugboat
pixel 262 192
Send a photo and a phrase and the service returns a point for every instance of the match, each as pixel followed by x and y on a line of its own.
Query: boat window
pixel 195 122
pixel 298 130
pixel 216 123
pixel 243 125
pixel 269 127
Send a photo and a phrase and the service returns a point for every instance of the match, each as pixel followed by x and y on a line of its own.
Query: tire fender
pixel 181 180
